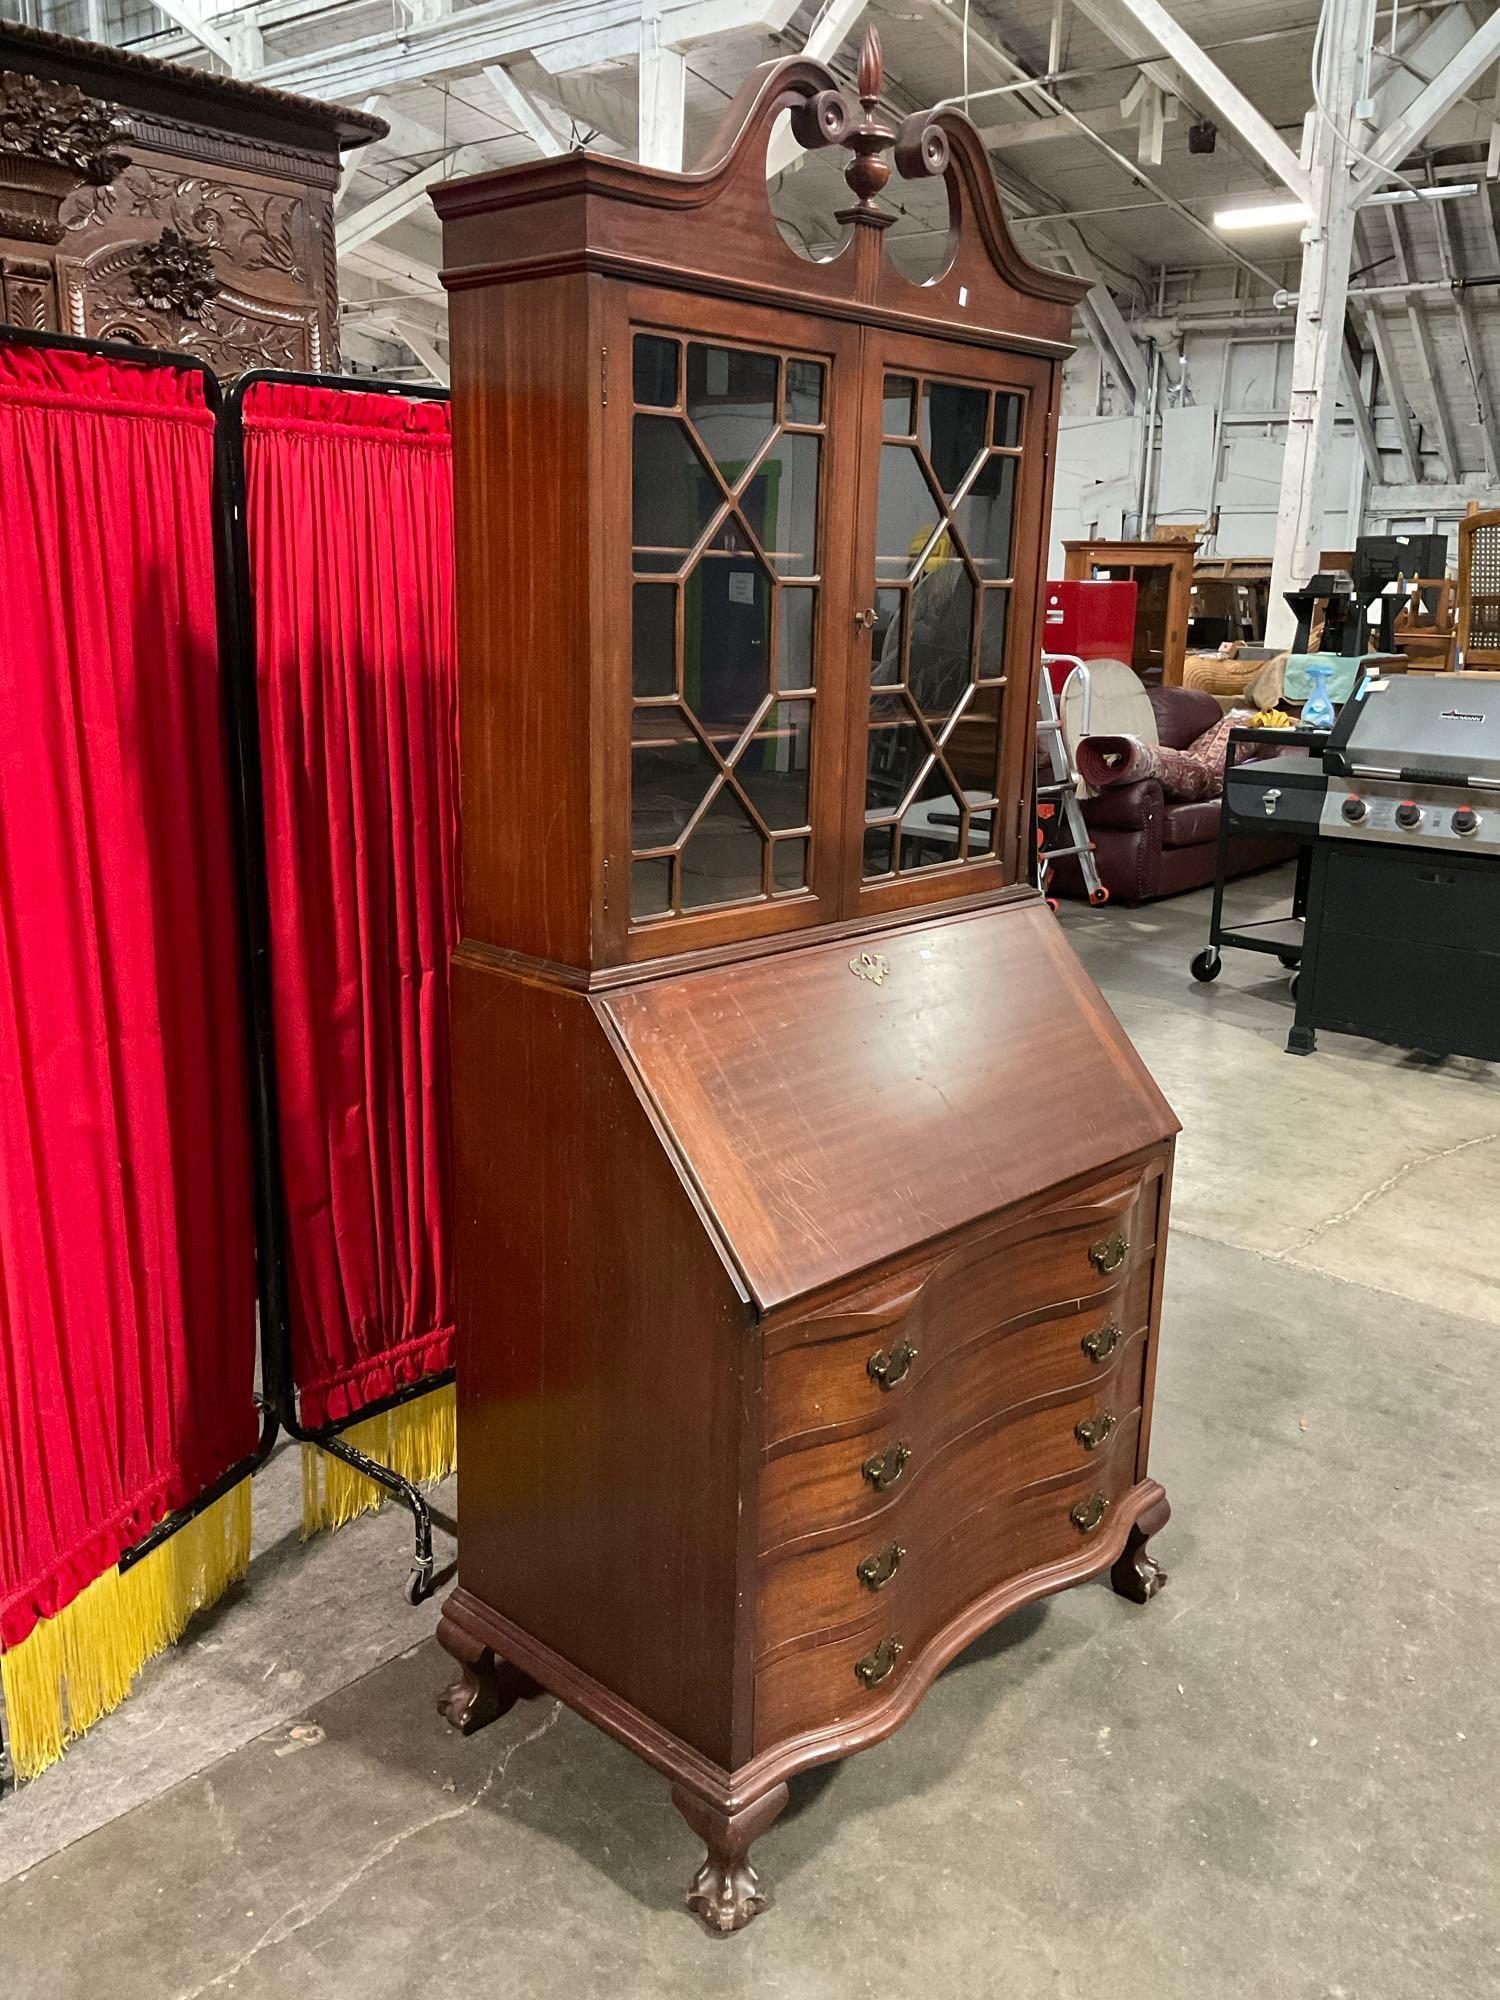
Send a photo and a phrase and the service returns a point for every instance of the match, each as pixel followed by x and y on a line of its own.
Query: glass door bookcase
pixel 794 1152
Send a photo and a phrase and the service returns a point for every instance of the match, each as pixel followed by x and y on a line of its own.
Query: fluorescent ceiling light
pixel 1449 191
pixel 1268 215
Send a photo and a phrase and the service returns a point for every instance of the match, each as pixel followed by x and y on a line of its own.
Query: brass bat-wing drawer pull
pixel 889 1369
pixel 874 1667
pixel 876 1571
pixel 1092 1431
pixel 884 1468
pixel 1101 1343
pixel 1109 1253
pixel 1087 1515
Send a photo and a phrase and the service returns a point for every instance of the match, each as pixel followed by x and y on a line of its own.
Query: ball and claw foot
pixel 485 1689
pixel 1137 1575
pixel 726 1893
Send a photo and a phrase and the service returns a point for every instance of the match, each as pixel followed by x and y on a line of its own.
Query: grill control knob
pixel 1408 814
pixel 1465 820
pixel 1354 810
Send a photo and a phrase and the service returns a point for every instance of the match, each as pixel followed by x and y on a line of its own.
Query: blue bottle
pixel 1317 710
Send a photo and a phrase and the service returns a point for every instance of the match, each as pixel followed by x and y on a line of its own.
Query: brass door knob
pixel 884 1468
pixel 889 1369
pixel 1092 1431
pixel 874 1667
pixel 1109 1253
pixel 1087 1515
pixel 876 1571
pixel 1099 1344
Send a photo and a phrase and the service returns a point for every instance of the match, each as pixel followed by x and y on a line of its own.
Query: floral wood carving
pixel 174 275
pixel 53 139
pixel 257 231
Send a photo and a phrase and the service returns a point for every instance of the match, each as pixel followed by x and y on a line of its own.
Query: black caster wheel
pixel 418 1583
pixel 1290 959
pixel 1207 966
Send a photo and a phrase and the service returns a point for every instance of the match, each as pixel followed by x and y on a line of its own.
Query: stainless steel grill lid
pixel 1437 728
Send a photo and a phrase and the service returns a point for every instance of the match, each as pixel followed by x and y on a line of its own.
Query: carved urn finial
pixel 869 140
pixel 53 140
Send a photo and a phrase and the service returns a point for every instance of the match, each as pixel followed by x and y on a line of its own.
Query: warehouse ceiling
pixel 1115 166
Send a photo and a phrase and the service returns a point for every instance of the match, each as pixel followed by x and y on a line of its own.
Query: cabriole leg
pixel 486 1687
pixel 726 1891
pixel 1137 1575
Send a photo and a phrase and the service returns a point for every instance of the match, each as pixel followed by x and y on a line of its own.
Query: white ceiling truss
pixel 1087 106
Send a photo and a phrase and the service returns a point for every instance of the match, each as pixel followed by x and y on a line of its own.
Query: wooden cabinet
pixel 810 1199
pixel 1162 573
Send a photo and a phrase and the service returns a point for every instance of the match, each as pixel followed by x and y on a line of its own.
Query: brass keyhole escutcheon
pixel 1109 1253
pixel 1101 1343
pixel 1087 1515
pixel 1092 1431
pixel 884 1468
pixel 889 1369
pixel 876 1571
pixel 874 1667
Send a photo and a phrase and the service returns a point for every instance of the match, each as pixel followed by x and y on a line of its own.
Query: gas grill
pixel 1402 934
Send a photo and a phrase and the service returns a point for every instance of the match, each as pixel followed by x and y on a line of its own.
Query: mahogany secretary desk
pixel 810 1199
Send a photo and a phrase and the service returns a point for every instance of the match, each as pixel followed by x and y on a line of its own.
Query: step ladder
pixel 1060 830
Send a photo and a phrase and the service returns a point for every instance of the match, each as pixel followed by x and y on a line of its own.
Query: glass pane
pixel 931 827
pixel 732 401
pixel 992 627
pixel 675 497
pixel 721 862
pixel 772 767
pixel 942 622
pixel 726 643
pixel 1006 428
pixel 654 639
pixel 789 865
pixel 984 517
pixel 650 888
pixel 804 392
pixel 885 640
pixel 897 756
pixel 781 503
pixel 794 667
pixel 908 514
pixel 655 370
pixel 878 850
pixel 897 408
pixel 972 748
pixel 954 421
pixel 669 773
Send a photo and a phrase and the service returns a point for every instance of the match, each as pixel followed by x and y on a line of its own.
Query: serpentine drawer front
pixel 859 1359
pixel 818 1683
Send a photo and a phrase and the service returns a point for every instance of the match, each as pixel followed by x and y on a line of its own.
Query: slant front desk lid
pixel 841 1104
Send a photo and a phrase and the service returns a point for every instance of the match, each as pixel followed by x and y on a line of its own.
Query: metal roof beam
pixel 189 18
pixel 1421 335
pixel 1489 429
pixel 524 112
pixel 397 202
pixel 1390 376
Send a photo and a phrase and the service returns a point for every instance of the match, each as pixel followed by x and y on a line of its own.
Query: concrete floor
pixel 1279 1778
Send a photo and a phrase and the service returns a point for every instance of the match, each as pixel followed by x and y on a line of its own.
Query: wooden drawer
pixel 818 1371
pixel 808 1489
pixel 813 1686
pixel 814 1586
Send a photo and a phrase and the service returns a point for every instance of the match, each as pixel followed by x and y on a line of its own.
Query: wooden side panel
pixel 523 480
pixel 835 1120
pixel 605 1366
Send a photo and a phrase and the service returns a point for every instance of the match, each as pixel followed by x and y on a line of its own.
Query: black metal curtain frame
pixel 278 1388
pixel 277 1397
pixel 148 357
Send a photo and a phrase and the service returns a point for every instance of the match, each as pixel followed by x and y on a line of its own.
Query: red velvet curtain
pixel 127 1287
pixel 350 530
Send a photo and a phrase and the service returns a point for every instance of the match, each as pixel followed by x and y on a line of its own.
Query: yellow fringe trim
pixel 417 1439
pixel 72 1669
